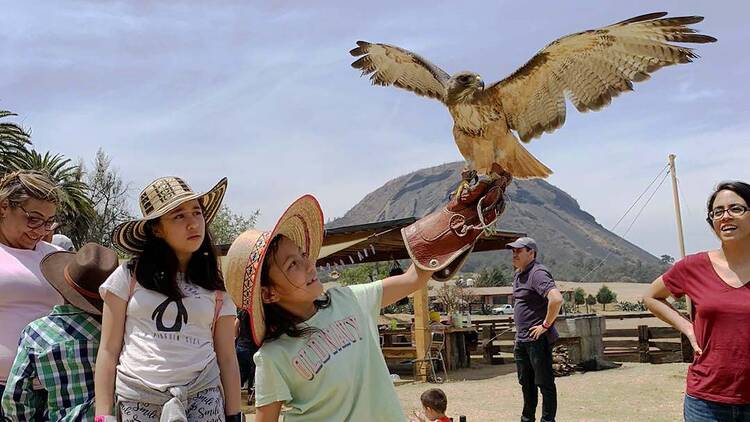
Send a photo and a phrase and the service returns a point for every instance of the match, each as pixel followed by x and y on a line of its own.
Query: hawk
pixel 588 68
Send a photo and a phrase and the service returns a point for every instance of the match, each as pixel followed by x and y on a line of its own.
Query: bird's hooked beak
pixel 480 81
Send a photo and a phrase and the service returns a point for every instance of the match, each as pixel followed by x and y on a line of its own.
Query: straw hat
pixel 157 199
pixel 302 222
pixel 77 276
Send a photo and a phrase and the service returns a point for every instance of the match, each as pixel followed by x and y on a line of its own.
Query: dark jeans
pixel 534 366
pixel 699 410
pixel 247 365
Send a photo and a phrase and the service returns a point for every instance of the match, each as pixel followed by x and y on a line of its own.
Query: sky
pixel 262 93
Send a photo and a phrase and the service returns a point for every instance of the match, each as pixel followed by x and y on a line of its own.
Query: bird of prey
pixel 588 68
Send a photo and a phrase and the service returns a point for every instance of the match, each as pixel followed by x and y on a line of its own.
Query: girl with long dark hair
pixel 167 345
pixel 320 354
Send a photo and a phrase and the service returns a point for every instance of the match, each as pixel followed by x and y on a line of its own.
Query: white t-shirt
pixel 337 374
pixel 25 295
pixel 167 342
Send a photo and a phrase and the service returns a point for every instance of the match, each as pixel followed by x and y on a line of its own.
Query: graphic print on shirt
pixel 180 318
pixel 325 344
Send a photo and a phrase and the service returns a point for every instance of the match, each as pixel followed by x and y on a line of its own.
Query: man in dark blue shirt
pixel 536 303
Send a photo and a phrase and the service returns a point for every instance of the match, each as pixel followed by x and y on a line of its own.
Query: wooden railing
pixel 647 345
pixel 496 340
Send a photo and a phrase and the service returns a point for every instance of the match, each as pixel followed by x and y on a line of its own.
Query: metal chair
pixel 433 354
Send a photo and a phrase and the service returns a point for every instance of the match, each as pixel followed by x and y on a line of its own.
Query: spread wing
pixel 391 65
pixel 591 68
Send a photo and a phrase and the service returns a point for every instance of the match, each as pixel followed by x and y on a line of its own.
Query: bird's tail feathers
pixel 522 165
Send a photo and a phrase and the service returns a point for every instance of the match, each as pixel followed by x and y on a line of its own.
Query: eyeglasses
pixel 36 222
pixel 733 211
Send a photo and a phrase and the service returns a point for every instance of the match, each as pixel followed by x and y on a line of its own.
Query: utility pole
pixel 677 213
pixel 678 217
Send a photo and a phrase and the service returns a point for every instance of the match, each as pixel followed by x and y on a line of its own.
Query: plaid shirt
pixel 59 350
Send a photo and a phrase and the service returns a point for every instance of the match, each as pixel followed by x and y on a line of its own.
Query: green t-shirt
pixel 337 374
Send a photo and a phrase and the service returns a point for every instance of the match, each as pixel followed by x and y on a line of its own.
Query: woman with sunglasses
pixel 28 205
pixel 718 380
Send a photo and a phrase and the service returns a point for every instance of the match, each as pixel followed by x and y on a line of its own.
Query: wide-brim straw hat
pixel 78 275
pixel 159 198
pixel 302 223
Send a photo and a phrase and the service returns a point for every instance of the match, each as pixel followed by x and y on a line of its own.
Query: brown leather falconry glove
pixel 442 240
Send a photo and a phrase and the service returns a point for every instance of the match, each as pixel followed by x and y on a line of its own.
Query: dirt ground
pixel 634 392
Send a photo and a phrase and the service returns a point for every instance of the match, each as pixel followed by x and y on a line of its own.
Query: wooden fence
pixel 496 336
pixel 642 344
pixel 496 340
pixel 645 344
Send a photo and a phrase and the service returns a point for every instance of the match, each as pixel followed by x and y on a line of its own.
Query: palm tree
pixel 76 210
pixel 13 142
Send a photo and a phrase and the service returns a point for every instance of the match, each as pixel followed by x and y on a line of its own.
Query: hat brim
pixel 130 237
pixel 53 269
pixel 302 222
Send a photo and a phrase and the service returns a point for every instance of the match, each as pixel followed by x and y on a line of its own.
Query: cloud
pixel 264 94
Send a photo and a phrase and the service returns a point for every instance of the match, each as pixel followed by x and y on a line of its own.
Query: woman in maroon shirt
pixel 718 380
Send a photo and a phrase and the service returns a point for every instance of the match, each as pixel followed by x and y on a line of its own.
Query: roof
pixel 381 241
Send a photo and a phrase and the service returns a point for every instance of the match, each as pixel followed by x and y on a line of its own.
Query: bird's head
pixel 463 86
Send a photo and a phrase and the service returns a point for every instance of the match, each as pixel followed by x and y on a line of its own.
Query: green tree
pixel 363 273
pixel 579 296
pixel 403 306
pixel 13 143
pixel 590 301
pixel 496 276
pixel 227 225
pixel 680 303
pixel 605 296
pixel 666 259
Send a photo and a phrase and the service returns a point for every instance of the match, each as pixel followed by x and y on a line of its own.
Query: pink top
pixel 26 296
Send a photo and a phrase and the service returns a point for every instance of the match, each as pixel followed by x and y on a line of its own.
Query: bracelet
pixel 234 418
pixel 545 325
pixel 105 418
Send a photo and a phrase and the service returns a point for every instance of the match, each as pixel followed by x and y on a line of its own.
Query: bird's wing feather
pixel 391 65
pixel 590 68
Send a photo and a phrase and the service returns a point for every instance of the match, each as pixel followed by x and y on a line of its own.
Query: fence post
pixel 687 349
pixel 488 332
pixel 643 344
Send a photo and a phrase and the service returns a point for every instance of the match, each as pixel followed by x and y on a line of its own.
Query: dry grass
pixel 630 292
pixel 634 392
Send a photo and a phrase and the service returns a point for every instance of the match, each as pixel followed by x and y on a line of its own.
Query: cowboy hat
pixel 159 198
pixel 78 275
pixel 302 223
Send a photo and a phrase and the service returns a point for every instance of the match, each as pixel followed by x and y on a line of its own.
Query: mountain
pixel 571 242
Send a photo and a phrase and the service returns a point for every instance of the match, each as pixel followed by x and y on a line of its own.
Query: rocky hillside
pixel 571 242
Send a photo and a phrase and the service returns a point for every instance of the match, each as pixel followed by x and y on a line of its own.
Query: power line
pixel 609 253
pixel 644 205
pixel 639 198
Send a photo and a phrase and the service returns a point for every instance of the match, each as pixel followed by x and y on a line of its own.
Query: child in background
pixel 434 404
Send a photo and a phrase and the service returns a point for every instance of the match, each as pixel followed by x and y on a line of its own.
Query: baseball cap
pixel 522 242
